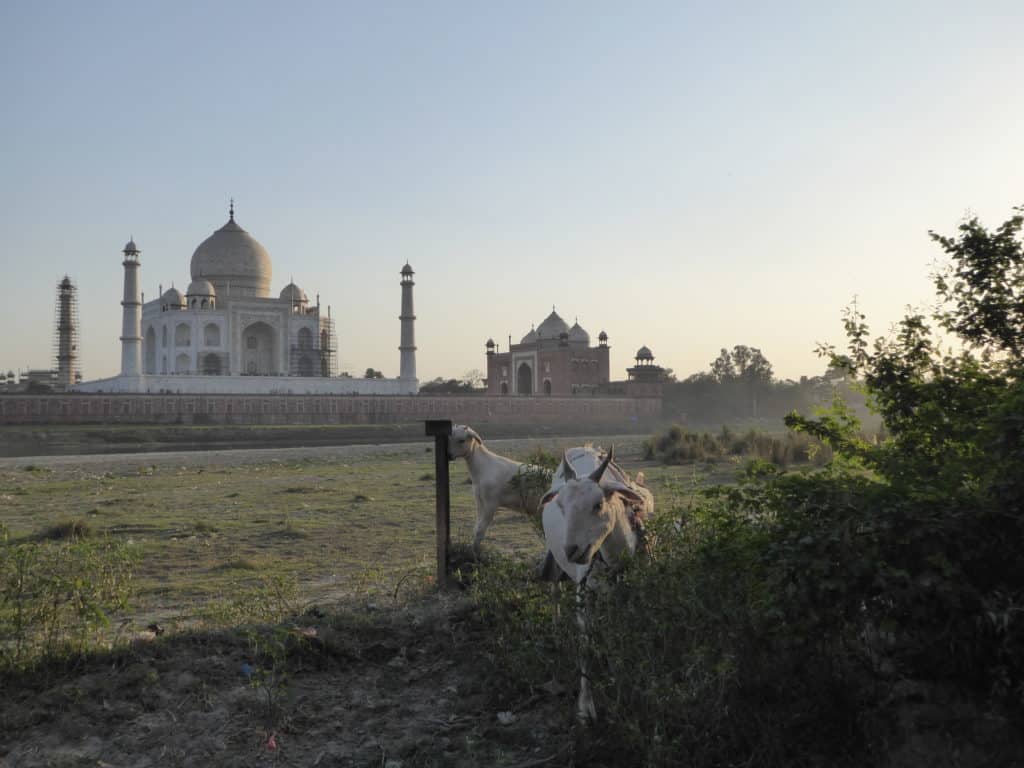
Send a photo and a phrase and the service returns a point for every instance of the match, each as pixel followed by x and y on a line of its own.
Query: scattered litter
pixel 247 670
pixel 506 718
pixel 271 743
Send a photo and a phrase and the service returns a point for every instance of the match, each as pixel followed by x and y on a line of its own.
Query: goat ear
pixel 546 498
pixel 596 474
pixel 624 491
pixel 570 473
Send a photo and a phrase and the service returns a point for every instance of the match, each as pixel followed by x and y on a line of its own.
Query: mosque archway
pixel 524 379
pixel 258 352
pixel 547 386
pixel 181 363
pixel 305 338
pixel 211 365
pixel 504 387
pixel 182 335
pixel 305 366
pixel 211 335
pixel 150 350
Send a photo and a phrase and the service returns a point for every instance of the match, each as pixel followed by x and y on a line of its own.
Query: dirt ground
pixel 362 683
pixel 395 689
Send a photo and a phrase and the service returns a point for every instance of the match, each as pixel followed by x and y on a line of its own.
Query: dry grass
pixel 340 528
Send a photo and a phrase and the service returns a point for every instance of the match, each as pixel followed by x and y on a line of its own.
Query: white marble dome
pixel 232 257
pixel 552 327
pixel 577 335
pixel 294 294
pixel 529 338
pixel 201 288
pixel 172 298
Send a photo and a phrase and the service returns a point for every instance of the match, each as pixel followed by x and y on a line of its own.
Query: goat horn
pixel 570 473
pixel 596 474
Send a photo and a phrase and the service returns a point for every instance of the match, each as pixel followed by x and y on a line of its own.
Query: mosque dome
pixel 530 338
pixel 231 256
pixel 577 335
pixel 130 247
pixel 552 327
pixel 200 287
pixel 172 298
pixel 644 353
pixel 602 336
pixel 294 294
pixel 407 270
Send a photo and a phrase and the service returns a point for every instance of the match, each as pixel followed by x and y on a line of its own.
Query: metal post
pixel 441 429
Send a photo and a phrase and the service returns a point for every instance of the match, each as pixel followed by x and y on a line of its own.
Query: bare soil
pixel 379 688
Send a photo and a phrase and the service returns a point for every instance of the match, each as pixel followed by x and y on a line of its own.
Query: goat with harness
pixel 592 523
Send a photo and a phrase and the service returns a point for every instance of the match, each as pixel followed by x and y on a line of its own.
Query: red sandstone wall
pixel 321 409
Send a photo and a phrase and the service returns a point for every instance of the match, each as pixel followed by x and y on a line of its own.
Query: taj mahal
pixel 228 334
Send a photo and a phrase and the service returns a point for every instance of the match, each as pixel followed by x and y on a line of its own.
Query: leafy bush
pixel 56 597
pixel 777 616
pixel 678 446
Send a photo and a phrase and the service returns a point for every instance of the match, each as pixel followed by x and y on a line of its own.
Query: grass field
pixel 365 664
pixel 352 523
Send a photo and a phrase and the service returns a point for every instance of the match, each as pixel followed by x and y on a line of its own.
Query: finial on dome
pixel 231 209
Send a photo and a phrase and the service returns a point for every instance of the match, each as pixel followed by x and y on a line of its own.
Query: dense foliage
pixel 782 620
pixel 677 445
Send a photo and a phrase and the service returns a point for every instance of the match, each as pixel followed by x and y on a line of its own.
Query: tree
pixel 473 377
pixel 373 374
pixel 938 507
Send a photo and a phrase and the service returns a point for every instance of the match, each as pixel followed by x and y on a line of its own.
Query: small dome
pixel 200 288
pixel 490 343
pixel 407 270
pixel 577 335
pixel 644 354
pixel 172 297
pixel 602 336
pixel 294 294
pixel 552 327
pixel 530 338
pixel 130 247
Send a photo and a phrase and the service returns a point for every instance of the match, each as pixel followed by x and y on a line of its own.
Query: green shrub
pixel 56 597
pixel 679 446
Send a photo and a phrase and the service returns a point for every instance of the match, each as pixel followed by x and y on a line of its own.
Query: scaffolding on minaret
pixel 65 335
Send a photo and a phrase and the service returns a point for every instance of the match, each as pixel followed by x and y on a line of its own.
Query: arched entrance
pixel 258 353
pixel 305 366
pixel 211 365
pixel 524 379
pixel 547 386
pixel 504 388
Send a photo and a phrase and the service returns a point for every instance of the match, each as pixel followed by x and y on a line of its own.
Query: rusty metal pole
pixel 441 429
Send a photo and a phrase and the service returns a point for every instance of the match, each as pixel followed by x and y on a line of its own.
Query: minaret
pixel 408 346
pixel 67 333
pixel 131 315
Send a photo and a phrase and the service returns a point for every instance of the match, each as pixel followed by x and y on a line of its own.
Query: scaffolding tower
pixel 65 337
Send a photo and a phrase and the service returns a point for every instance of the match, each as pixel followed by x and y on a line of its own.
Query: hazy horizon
pixel 682 177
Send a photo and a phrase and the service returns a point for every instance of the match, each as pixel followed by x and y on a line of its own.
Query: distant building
pixel 227 333
pixel 552 359
pixel 645 378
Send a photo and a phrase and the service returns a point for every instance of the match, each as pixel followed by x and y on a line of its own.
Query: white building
pixel 228 334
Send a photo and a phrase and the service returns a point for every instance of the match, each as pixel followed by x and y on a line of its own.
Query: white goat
pixel 497 481
pixel 590 520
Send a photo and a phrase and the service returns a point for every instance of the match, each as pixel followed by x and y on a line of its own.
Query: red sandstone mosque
pixel 555 359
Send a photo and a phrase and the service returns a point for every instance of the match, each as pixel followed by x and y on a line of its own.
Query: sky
pixel 686 176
